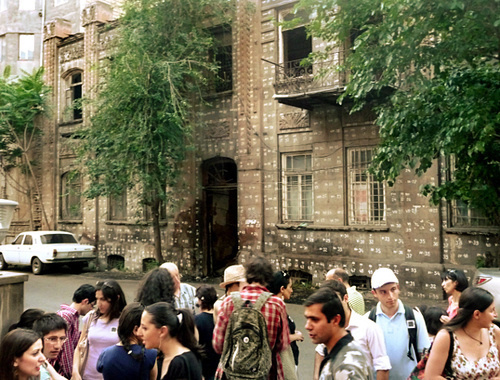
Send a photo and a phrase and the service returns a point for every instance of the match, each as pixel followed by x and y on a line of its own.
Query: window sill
pixel 71 122
pixel 138 223
pixel 71 221
pixel 312 227
pixel 473 230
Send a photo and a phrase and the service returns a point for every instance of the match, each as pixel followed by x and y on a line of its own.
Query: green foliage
pixel 434 72
pixel 22 100
pixel 142 124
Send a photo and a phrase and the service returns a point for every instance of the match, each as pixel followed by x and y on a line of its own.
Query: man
pixel 395 320
pixel 259 273
pixel 356 301
pixel 365 332
pixel 325 321
pixel 234 281
pixel 83 302
pixel 52 328
pixel 184 294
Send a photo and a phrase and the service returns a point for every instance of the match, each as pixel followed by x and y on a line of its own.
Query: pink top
pixel 452 309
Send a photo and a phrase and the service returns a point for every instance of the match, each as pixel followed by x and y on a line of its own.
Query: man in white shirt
pixel 184 294
pixel 364 331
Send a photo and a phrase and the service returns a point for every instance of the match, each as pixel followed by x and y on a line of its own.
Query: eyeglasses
pixel 54 339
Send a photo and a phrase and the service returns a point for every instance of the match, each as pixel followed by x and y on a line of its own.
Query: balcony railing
pixel 295 79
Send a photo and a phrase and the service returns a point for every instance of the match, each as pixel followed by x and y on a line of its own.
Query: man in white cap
pixel 404 329
pixel 184 294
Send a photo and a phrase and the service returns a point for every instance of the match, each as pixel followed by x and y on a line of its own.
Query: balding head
pixel 174 272
pixel 338 274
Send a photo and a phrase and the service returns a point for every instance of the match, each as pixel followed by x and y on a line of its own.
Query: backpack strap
pixel 412 332
pixel 237 300
pixel 263 297
pixel 373 314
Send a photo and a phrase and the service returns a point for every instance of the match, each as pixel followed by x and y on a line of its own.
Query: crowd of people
pixel 174 331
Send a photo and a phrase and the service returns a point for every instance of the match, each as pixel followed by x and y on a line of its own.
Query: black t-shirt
pixel 205 324
pixel 184 367
pixel 295 347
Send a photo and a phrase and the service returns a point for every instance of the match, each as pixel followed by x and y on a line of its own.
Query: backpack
pixel 246 353
pixel 412 329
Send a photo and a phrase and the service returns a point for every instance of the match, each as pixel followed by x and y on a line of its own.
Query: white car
pixel 41 248
pixel 489 279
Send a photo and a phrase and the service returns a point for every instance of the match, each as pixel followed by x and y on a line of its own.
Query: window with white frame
pixel 27 5
pixel 462 215
pixel 71 207
pixel 26 47
pixel 297 187
pixel 73 97
pixel 366 195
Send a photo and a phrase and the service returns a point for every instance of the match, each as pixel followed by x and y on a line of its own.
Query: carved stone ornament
pixel 97 12
pixel 71 52
pixel 217 130
pixel 57 28
pixel 294 120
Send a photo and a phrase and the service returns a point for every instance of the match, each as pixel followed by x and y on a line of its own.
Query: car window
pixel 57 239
pixel 28 240
pixel 18 240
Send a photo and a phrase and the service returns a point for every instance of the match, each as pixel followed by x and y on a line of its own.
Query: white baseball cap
pixel 383 276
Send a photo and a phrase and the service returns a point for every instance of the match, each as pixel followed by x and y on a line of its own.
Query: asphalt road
pixel 50 290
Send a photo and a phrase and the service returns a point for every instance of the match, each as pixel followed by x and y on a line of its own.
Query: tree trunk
pixel 155 212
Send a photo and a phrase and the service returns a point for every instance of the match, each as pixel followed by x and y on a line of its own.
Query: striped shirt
pixel 65 358
pixel 274 312
pixel 186 298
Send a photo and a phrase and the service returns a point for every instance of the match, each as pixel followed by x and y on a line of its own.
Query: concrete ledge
pixel 11 298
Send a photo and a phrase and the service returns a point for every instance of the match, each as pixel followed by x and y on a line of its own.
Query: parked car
pixel 42 248
pixel 489 279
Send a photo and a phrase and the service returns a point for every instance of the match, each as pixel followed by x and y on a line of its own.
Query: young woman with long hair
pixel 475 340
pixel 100 330
pixel 171 331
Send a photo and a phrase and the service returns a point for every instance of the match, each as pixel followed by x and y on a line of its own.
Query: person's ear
pixel 346 298
pixel 164 331
pixel 374 292
pixel 336 320
pixel 282 289
pixel 476 314
pixel 85 301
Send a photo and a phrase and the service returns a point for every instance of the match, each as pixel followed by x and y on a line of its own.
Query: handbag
pixel 418 372
pixel 83 344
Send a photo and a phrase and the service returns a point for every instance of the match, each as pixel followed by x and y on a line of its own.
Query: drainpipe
pixel 42 15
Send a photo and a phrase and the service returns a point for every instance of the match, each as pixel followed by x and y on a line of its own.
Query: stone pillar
pixel 12 299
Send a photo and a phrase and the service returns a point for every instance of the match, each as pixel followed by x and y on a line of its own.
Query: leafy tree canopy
pixel 434 72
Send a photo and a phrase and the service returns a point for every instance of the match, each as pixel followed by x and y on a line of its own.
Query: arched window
pixel 71 207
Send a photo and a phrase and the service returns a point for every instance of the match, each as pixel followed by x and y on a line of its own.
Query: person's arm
pixel 154 372
pixel 220 327
pixel 383 374
pixel 76 362
pixel 296 337
pixel 376 346
pixel 438 356
pixel 52 372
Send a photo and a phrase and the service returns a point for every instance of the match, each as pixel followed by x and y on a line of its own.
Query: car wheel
pixel 37 266
pixel 3 264
pixel 77 268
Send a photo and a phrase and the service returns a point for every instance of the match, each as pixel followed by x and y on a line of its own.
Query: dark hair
pixel 332 306
pixel 27 318
pixel 280 278
pixel 342 274
pixel 85 291
pixel 156 286
pixel 112 291
pixel 458 276
pixel 207 295
pixel 471 299
pixel 432 316
pixel 13 346
pixel 259 270
pixel 180 324
pixel 130 318
pixel 49 322
pixel 335 286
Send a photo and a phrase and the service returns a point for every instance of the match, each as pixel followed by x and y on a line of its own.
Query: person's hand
pixel 299 335
pixel 444 318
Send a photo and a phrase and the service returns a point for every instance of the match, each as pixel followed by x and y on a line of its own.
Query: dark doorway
pixel 220 214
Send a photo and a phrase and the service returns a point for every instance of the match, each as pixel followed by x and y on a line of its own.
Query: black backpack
pixel 412 329
pixel 247 353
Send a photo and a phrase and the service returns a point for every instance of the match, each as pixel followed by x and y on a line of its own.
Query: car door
pixel 26 250
pixel 11 251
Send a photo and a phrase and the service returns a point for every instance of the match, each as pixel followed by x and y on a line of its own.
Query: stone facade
pixel 241 193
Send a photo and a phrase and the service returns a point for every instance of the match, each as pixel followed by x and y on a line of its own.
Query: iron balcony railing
pixel 294 78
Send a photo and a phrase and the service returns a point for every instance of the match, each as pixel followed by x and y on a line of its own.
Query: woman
pixel 172 332
pixel 156 286
pixel 454 282
pixel 205 324
pixel 475 340
pixel 128 360
pixel 21 355
pixel 281 286
pixel 99 331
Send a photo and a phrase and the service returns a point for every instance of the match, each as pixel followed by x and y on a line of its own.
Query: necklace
pixel 470 336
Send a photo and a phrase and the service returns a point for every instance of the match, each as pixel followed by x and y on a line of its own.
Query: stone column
pixel 12 299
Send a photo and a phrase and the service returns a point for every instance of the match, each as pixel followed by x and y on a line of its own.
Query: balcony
pixel 309 86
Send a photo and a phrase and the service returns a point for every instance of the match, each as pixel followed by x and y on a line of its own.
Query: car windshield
pixel 57 239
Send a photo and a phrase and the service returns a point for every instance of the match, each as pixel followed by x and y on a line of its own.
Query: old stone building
pixel 279 168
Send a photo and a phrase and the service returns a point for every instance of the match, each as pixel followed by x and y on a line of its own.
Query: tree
pixel 23 101
pixel 140 132
pixel 431 72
